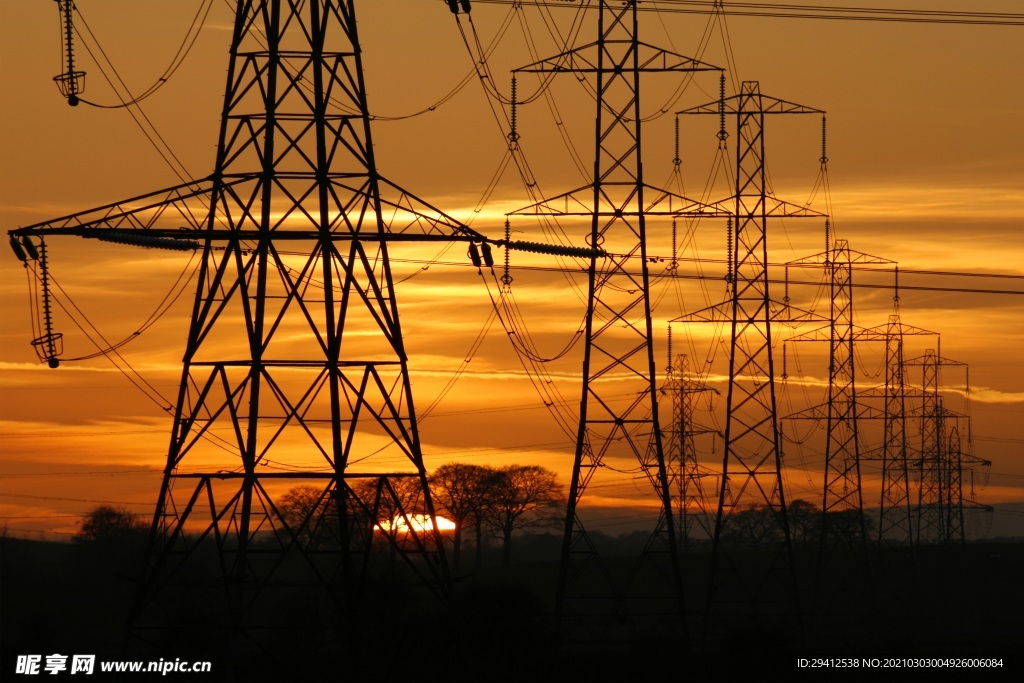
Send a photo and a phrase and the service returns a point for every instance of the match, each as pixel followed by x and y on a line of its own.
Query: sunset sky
pixel 924 154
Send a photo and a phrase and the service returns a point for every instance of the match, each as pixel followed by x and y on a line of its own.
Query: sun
pixel 415 522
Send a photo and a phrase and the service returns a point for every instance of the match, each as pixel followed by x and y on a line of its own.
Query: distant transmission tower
pixel 295 367
pixel 686 475
pixel 843 525
pixel 752 462
pixel 896 504
pixel 939 509
pixel 592 601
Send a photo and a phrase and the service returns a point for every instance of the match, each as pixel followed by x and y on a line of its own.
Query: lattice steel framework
pixel 295 368
pixel 896 503
pixel 752 460
pixel 842 507
pixel 939 508
pixel 592 600
pixel 894 515
pixel 953 483
pixel 686 474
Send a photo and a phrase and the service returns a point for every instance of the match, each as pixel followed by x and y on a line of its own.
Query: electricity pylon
pixel 751 483
pixel 938 466
pixel 895 514
pixel 843 525
pixel 687 475
pixel 591 601
pixel 295 367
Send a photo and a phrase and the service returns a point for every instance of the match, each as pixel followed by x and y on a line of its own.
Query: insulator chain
pixel 722 134
pixel 676 161
pixel 896 286
pixel 824 156
pixel 47 312
pixel 454 5
pixel 480 256
pixel 668 368
pixel 49 346
pixel 506 279
pixel 785 363
pixel 513 135
pixel 729 255
pixel 828 242
pixel 785 298
pixel 674 265
pixel 69 82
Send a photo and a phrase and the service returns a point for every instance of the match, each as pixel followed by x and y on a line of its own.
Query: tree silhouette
pixel 523 497
pixel 804 522
pixel 307 510
pixel 752 526
pixel 110 524
pixel 463 492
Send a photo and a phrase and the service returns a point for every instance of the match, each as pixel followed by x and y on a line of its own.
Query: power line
pixel 791 11
pixel 776 281
pixel 6 494
pixel 79 474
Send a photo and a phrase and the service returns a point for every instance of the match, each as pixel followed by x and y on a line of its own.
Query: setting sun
pixel 417 522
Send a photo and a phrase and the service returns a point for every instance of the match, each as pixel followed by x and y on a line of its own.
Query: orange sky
pixel 924 152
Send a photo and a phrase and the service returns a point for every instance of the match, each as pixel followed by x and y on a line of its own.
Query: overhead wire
pixel 536 371
pixel 482 76
pixel 120 363
pixel 771 280
pixel 549 224
pixel 148 130
pixel 827 12
pixel 112 354
pixel 165 304
pixel 187 43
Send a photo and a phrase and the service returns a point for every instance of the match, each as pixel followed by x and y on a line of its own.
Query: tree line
pixel 483 502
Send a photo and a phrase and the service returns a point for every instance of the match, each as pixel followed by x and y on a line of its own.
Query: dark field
pixel 948 603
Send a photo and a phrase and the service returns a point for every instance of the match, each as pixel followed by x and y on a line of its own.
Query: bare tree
pixel 523 497
pixel 303 508
pixel 391 496
pixel 463 492
pixel 751 526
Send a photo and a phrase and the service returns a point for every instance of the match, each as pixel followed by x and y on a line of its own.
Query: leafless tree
pixel 304 509
pixel 463 492
pixel 523 497
pixel 752 526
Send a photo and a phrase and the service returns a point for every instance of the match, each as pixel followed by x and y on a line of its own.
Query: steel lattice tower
pixel 686 474
pixel 842 508
pixel 895 515
pixel 592 601
pixel 939 509
pixel 752 461
pixel 295 368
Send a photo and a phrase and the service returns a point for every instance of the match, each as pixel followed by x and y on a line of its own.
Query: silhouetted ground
pixel 948 603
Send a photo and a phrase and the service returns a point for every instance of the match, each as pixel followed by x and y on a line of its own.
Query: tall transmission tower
pixel 752 460
pixel 295 370
pixel 592 600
